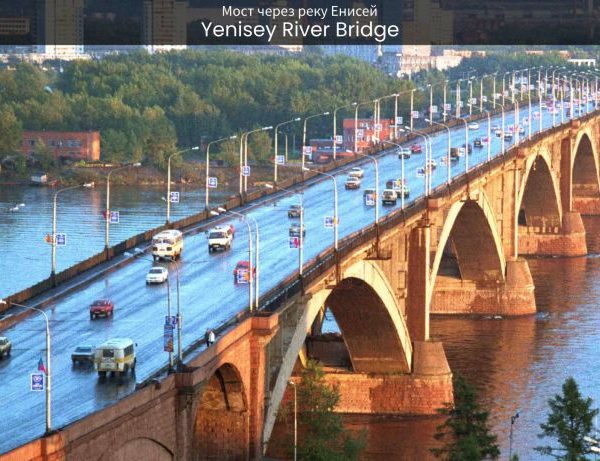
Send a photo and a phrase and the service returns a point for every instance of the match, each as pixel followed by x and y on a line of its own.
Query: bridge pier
pixel 566 240
pixel 511 296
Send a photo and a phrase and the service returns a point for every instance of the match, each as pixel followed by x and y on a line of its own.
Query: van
pixel 167 245
pixel 116 356
pixel 389 197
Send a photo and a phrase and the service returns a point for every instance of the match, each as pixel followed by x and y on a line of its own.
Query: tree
pixel 570 421
pixel 465 432
pixel 323 436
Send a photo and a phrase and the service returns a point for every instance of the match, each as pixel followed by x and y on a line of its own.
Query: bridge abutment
pixel 512 296
pixel 566 240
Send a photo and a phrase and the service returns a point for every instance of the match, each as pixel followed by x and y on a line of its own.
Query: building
pixel 424 21
pixel 583 62
pixel 14 26
pixel 365 133
pixel 164 25
pixel 60 28
pixel 64 145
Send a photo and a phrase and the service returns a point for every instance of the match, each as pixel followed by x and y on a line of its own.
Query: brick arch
pixel 470 227
pixel 221 426
pixel 539 193
pixel 140 449
pixel 367 278
pixel 585 166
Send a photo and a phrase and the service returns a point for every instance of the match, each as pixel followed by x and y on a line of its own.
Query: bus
pixel 167 245
pixel 116 356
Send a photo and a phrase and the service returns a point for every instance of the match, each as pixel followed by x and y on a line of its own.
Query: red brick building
pixel 72 145
pixel 365 132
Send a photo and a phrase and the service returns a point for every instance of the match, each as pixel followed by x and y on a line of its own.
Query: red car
pixel 416 148
pixel 242 266
pixel 101 308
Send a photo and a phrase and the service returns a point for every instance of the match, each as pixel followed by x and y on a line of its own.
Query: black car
pixel 83 354
pixel 295 230
pixel 294 211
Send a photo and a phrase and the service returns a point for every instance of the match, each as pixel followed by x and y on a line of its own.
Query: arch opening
pixel 585 174
pixel 539 206
pixel 140 449
pixel 222 410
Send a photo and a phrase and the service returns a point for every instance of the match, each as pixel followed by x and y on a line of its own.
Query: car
pixel 5 347
pixel 220 238
pixel 83 354
pixel 431 164
pixel 352 182
pixel 404 152
pixel 416 149
pixel 240 268
pixel 470 148
pixel 389 197
pixel 294 211
pixel 478 142
pixel 157 274
pixel 456 152
pixel 295 230
pixel 356 172
pixel 473 126
pixel 101 308
pixel 508 136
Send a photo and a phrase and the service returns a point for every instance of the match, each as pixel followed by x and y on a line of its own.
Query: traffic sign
pixel 399 120
pixel 447 106
pixel 242 276
pixel 246 170
pixel 414 114
pixel 168 338
pixel 171 320
pixel 174 198
pixel 281 159
pixel 329 222
pixel 212 182
pixel 378 127
pixel 114 217
pixel 473 101
pixel 61 240
pixel 294 242
pixel 339 139
pixel 484 98
pixel 370 199
pixel 360 134
pixel 37 382
pixel 434 109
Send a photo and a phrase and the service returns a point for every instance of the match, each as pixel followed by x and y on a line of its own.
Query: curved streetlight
pixel 428 152
pixel 207 174
pixel 107 210
pixel 489 133
pixel 335 127
pixel 448 157
pixel 376 163
pixel 467 141
pixel 246 218
pixel 301 238
pixel 169 179
pixel 335 205
pixel 243 179
pixel 402 179
pixel 297 119
pixel 53 271
pixel 48 364
pixel 306 119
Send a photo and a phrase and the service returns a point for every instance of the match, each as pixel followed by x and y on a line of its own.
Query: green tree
pixel 10 131
pixel 323 437
pixel 570 421
pixel 465 432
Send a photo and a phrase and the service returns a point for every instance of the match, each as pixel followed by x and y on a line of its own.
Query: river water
pixel 80 217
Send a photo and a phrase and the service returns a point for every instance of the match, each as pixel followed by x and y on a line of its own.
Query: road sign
pixel 506 93
pixel 497 95
pixel 447 106
pixel 242 276
pixel 294 242
pixel 171 320
pixel 246 170
pixel 378 127
pixel 473 101
pixel 168 338
pixel 174 198
pixel 329 222
pixel 114 217
pixel 307 150
pixel 399 120
pixel 37 382
pixel 360 134
pixel 281 159
pixel 339 139
pixel 48 239
pixel 213 182
pixel 434 109
pixel 61 240
pixel 484 98
pixel 460 104
pixel 370 199
pixel 414 114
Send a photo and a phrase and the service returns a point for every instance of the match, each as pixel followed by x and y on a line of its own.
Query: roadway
pixel 208 294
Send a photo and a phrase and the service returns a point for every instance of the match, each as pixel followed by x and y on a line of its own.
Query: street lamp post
pixel 335 127
pixel 376 163
pixel 243 179
pixel 179 317
pixel 304 133
pixel 401 171
pixel 301 238
pixel 356 124
pixel 53 271
pixel 335 205
pixel 169 180
pixel 466 143
pixel 428 152
pixel 48 364
pixel 412 106
pixel 449 149
pixel 207 174
pixel 293 384
pixel 107 210
pixel 297 119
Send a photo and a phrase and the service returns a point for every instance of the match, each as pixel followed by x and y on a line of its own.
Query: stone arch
pixel 221 426
pixel 538 186
pixel 585 167
pixel 470 228
pixel 363 278
pixel 140 449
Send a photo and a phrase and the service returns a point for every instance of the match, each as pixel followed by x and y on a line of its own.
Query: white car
pixel 157 274
pixel 473 126
pixel 356 172
pixel 220 238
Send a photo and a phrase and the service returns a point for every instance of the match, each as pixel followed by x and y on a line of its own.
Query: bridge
pixel 457 250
